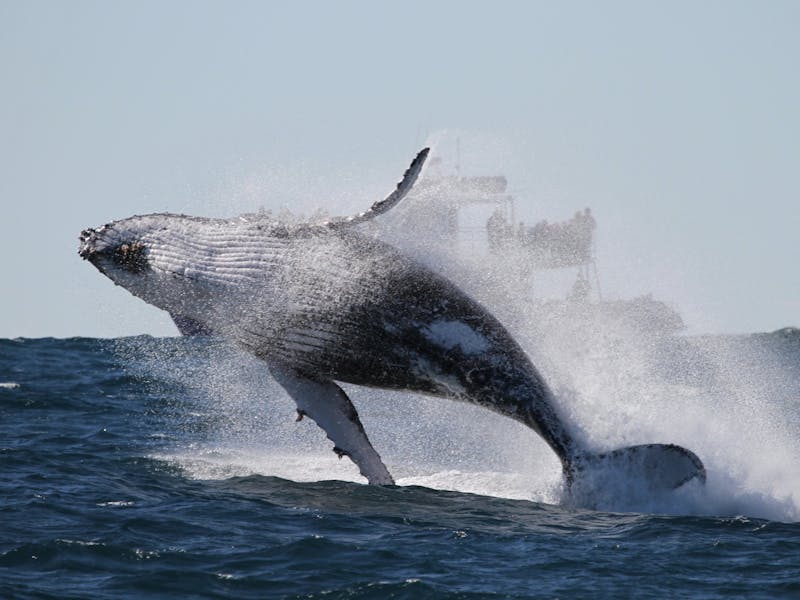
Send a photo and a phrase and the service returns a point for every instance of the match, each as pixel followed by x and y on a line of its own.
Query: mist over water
pixel 733 400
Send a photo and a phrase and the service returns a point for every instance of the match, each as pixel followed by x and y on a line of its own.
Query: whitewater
pixel 742 429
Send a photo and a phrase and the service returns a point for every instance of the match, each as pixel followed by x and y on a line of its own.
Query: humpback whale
pixel 322 303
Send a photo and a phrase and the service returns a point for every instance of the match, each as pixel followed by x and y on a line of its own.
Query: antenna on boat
pixel 593 264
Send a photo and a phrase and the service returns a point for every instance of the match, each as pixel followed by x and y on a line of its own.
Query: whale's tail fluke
pixel 650 467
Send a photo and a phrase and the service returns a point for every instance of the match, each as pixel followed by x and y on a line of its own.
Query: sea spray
pixel 233 420
pixel 618 382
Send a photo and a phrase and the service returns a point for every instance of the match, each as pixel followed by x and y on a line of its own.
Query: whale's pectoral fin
pixel 331 409
pixel 653 467
pixel 189 326
pixel 400 192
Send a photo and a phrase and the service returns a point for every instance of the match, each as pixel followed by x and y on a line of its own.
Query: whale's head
pixel 148 255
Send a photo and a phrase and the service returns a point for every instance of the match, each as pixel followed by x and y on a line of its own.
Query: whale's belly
pixel 357 311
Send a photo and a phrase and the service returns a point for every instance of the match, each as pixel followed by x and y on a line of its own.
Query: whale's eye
pixel 131 256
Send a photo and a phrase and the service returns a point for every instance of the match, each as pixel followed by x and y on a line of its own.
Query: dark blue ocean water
pixel 120 479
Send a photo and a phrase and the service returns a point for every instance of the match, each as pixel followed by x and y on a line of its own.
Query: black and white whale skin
pixel 325 303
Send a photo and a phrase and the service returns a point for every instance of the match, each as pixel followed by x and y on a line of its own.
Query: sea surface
pixel 174 468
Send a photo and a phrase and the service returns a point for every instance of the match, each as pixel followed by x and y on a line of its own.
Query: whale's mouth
pixel 130 255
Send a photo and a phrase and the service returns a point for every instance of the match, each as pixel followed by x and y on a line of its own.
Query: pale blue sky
pixel 676 121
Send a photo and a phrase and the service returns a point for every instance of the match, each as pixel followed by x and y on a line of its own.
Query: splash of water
pixel 731 400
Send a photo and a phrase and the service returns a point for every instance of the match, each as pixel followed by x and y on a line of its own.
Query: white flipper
pixel 331 409
pixel 190 327
pixel 400 192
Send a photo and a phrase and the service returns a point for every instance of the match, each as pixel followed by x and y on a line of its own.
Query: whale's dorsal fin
pixel 331 409
pixel 381 206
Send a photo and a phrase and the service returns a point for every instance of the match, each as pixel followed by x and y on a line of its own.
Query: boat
pixel 472 223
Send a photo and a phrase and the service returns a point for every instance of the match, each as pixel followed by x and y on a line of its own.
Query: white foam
pixel 116 504
pixel 219 464
pixel 224 463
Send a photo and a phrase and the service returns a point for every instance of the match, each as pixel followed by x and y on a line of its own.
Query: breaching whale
pixel 325 303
